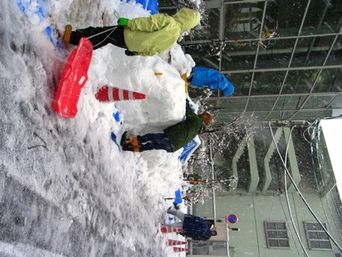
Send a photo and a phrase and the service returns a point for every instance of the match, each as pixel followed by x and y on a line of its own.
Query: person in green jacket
pixel 173 138
pixel 141 36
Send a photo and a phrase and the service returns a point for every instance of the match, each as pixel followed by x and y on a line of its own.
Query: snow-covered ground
pixel 65 188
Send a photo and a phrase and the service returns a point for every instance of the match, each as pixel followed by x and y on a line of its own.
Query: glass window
pixel 317 14
pixel 299 81
pixel 336 54
pixel 329 80
pixel 204 54
pixel 318 102
pixel 312 51
pixel 267 83
pixel 243 20
pixel 280 115
pixel 323 17
pixel 284 17
pixel 230 103
pixel 337 103
pixel 307 115
pixel 289 102
pixel 316 236
pixel 275 54
pixel 238 56
pixel 228 116
pixel 276 234
pixel 260 104
pixel 242 82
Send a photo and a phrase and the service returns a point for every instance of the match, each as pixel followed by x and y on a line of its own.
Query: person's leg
pixel 179 214
pixel 154 141
pixel 100 36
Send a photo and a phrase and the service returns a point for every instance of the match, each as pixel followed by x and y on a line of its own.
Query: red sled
pixel 73 79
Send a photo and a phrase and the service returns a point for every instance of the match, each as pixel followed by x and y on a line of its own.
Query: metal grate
pixel 276 234
pixel 316 236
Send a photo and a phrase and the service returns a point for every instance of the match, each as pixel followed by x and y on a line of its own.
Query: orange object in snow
pixel 73 79
pixel 111 94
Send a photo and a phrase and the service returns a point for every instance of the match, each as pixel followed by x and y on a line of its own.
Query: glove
pixel 123 22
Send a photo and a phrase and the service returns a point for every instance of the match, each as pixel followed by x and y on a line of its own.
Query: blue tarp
pixel 151 5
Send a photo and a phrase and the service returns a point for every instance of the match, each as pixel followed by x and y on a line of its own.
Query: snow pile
pixel 73 164
pixel 159 81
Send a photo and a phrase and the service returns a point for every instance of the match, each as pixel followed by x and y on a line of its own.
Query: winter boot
pixel 67 34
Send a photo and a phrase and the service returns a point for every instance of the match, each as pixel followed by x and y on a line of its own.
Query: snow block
pixel 73 79
pixel 189 149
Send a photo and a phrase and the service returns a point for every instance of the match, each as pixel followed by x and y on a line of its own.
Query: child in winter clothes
pixel 142 36
pixel 213 79
pixel 173 138
pixel 193 226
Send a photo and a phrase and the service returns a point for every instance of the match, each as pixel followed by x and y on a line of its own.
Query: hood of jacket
pixel 187 18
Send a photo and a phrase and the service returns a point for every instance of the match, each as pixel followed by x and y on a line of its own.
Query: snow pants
pixel 154 141
pixel 106 35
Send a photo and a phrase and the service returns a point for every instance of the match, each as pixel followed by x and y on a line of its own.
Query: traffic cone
pixel 111 94
pixel 172 242
pixel 170 229
pixel 180 249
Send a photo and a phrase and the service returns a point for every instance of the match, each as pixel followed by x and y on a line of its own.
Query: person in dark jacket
pixel 173 138
pixel 142 36
pixel 193 226
pixel 213 79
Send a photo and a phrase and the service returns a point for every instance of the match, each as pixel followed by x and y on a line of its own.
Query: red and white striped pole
pixel 180 249
pixel 172 242
pixel 112 94
pixel 170 229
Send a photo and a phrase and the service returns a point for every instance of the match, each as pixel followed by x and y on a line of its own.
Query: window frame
pixel 276 238
pixel 310 240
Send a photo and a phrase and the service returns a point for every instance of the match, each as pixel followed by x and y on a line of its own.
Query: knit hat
pixel 206 118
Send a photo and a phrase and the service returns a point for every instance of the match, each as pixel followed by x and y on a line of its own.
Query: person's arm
pixel 149 24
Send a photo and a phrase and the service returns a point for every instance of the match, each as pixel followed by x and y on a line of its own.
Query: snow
pixel 333 138
pixel 72 164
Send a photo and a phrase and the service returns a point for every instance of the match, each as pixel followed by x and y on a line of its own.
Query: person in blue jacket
pixel 193 226
pixel 213 79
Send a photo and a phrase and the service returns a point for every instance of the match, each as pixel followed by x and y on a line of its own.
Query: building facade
pixel 285 60
pixel 274 220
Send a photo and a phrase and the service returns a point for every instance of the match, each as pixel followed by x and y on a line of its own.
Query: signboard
pixel 231 219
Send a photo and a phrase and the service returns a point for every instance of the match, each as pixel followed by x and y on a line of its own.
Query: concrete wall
pixel 253 210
